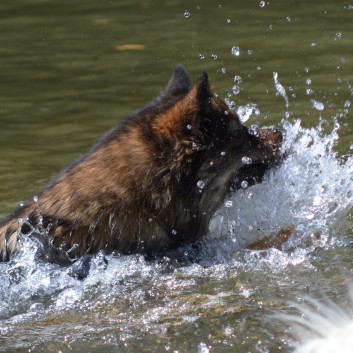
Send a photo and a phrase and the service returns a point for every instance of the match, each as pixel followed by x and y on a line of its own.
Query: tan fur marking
pixel 171 125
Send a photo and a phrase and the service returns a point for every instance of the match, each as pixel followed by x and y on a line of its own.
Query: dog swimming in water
pixel 149 185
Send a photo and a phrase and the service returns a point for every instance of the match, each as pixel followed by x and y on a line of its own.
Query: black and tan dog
pixel 149 185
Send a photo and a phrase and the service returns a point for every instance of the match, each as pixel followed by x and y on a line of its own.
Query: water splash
pixel 310 193
pixel 245 111
pixel 280 89
pixel 317 105
pixel 235 50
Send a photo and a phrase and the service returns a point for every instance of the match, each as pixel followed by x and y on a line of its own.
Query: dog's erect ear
pixel 201 91
pixel 185 117
pixel 179 83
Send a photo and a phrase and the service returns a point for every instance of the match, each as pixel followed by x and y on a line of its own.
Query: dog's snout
pixel 271 137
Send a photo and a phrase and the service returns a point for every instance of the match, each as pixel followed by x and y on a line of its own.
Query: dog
pixel 149 185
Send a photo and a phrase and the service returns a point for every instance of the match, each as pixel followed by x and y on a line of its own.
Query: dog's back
pixel 149 185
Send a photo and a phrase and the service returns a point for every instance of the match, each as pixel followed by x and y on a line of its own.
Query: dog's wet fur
pixel 149 185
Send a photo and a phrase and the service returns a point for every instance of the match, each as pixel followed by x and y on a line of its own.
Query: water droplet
pixel 308 81
pixel 347 104
pixel 214 56
pixel 309 91
pixel 244 184
pixel 228 203
pixel 236 89
pixel 338 35
pixel 200 184
pixel 201 56
pixel 313 45
pixel 223 70
pixel 202 348
pixel 228 20
pixel 250 52
pixel 279 88
pixel 223 153
pixel 262 4
pixel 258 68
pixel 189 127
pixel 20 220
pixel 245 111
pixel 246 160
pixel 253 130
pixel 235 50
pixel 230 104
pixel 187 14
pixel 174 232
pixel 237 79
pixel 317 105
pixel 35 198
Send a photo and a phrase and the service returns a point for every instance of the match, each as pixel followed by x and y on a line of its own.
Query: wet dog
pixel 151 184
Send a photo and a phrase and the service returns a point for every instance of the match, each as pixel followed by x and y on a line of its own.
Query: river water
pixel 69 70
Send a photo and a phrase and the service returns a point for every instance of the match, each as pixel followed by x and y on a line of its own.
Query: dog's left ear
pixel 201 92
pixel 200 97
pixel 179 83
pixel 182 121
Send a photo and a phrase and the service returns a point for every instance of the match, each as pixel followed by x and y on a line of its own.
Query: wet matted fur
pixel 149 185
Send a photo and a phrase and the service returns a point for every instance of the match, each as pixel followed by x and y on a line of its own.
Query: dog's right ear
pixel 179 83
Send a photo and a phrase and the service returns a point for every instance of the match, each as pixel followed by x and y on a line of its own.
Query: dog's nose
pixel 271 137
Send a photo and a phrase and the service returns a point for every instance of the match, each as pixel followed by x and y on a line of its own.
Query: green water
pixel 64 81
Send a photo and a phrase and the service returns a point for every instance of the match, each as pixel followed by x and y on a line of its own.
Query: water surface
pixel 66 77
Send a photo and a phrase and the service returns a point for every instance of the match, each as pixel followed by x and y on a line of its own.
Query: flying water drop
pixel 280 89
pixel 235 50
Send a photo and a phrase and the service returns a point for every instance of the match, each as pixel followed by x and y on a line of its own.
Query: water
pixel 71 70
pixel 220 298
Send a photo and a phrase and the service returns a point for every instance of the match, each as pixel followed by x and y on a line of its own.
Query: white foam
pixel 310 192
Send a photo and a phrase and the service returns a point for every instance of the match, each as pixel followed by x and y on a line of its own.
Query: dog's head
pixel 208 143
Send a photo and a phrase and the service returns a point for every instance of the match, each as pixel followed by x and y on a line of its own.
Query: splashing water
pixel 310 193
pixel 245 111
pixel 280 89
